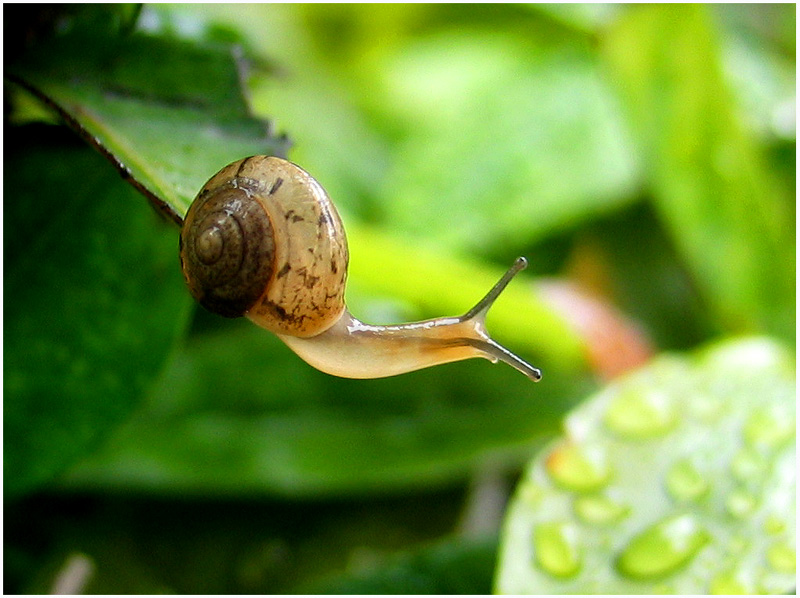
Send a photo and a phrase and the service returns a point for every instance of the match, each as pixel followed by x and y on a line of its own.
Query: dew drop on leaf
pixel 663 547
pixel 685 483
pixel 578 468
pixel 748 466
pixel 769 429
pixel 556 548
pixel 639 413
pixel 728 583
pixel 706 406
pixel 774 525
pixel 599 510
pixel 740 503
pixel 782 557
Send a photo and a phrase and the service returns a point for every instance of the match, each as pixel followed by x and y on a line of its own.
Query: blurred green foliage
pixel 655 144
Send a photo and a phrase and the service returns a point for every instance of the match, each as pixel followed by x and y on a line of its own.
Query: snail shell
pixel 263 239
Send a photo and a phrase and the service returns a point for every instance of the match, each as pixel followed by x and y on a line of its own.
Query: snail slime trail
pixel 263 240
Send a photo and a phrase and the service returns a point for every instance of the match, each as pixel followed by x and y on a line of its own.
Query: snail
pixel 263 240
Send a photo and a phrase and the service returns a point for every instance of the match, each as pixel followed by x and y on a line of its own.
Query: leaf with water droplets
pixel 648 494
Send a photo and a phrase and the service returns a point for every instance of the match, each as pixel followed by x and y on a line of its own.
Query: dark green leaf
pixel 238 413
pixel 168 113
pixel 93 303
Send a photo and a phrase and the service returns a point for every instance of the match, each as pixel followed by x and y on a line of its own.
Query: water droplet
pixel 556 548
pixel 664 589
pixel 740 503
pixel 729 583
pixel 748 466
pixel 638 413
pixel 578 468
pixel 599 510
pixel 738 544
pixel 774 525
pixel 685 483
pixel 663 547
pixel 782 557
pixel 705 406
pixel 769 429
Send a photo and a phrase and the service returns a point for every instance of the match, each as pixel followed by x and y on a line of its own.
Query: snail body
pixel 263 240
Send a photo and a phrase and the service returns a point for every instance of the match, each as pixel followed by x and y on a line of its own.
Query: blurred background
pixel 642 159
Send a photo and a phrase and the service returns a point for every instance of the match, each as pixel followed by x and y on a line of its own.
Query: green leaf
pixel 679 478
pixel 93 303
pixel 550 149
pixel 168 113
pixel 710 182
pixel 238 413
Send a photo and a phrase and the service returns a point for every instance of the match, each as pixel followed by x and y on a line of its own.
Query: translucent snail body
pixel 263 240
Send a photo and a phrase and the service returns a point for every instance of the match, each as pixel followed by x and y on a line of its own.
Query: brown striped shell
pixel 263 240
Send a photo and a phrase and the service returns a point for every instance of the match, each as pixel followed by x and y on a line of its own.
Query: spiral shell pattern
pixel 263 239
